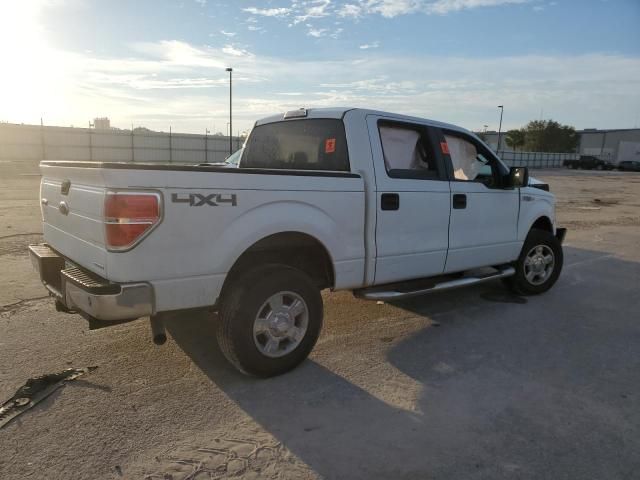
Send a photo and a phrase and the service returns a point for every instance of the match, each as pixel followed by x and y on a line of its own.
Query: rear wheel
pixel 539 264
pixel 270 320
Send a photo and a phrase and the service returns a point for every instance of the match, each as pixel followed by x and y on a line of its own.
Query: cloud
pixel 227 34
pixel 368 46
pixel 317 32
pixel 311 10
pixel 172 82
pixel 394 8
pixel 236 51
pixel 268 12
pixel 179 53
pixel 350 10
pixel 443 7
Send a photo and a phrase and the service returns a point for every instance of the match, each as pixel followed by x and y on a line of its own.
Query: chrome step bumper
pixel 392 292
pixel 86 292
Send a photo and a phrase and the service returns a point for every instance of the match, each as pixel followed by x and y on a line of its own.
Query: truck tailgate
pixel 72 200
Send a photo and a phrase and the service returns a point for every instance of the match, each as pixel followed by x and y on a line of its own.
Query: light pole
pixel 501 107
pixel 206 145
pixel 230 70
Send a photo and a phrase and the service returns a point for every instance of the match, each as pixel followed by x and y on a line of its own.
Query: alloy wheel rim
pixel 281 324
pixel 539 264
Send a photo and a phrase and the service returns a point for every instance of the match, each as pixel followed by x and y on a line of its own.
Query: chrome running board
pixel 393 292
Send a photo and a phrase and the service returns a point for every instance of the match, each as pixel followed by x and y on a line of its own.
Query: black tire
pixel 599 167
pixel 242 303
pixel 519 283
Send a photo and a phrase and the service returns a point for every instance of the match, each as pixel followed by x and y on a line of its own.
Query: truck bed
pixel 202 232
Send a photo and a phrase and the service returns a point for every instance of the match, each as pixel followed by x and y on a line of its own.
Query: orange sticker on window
pixel 330 145
pixel 445 147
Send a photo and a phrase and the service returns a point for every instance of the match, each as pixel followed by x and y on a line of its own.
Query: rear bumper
pixel 84 291
pixel 560 234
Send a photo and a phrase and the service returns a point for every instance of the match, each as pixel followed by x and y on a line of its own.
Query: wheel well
pixel 294 249
pixel 543 223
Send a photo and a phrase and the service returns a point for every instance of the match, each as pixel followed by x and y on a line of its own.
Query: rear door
pixel 483 230
pixel 412 200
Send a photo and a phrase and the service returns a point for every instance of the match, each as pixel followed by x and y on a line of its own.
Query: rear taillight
pixel 129 216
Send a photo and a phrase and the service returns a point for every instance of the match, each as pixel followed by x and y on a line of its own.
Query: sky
pixel 161 64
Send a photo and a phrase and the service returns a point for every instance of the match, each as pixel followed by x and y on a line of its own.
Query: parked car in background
pixel 629 166
pixel 589 162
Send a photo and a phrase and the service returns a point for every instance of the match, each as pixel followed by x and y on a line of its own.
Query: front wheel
pixel 539 264
pixel 269 320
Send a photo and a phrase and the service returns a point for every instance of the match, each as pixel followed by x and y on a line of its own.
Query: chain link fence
pixel 536 159
pixel 38 142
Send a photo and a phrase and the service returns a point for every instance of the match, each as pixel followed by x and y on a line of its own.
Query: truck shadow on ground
pixel 544 389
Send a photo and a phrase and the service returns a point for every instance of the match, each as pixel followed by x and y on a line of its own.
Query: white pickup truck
pixel 386 205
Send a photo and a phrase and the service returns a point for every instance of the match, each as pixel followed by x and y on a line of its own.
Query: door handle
pixel 459 201
pixel 390 201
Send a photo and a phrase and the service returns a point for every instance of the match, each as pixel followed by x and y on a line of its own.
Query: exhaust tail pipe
pixel 158 333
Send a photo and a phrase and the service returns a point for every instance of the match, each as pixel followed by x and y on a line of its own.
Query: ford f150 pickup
pixel 388 206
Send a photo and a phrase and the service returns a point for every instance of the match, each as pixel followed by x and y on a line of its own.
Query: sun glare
pixel 32 81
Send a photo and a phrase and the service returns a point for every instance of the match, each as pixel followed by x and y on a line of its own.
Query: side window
pixel 469 164
pixel 407 151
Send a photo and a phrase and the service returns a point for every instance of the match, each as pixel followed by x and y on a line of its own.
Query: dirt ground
pixel 471 383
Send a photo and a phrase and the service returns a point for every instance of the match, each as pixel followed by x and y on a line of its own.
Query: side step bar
pixel 392 292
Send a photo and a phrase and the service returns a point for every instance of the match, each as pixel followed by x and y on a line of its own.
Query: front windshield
pixel 234 158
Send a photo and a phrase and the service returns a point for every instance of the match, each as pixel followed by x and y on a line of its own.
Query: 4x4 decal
pixel 200 199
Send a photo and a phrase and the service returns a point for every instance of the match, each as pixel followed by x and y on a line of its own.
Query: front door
pixel 483 229
pixel 412 200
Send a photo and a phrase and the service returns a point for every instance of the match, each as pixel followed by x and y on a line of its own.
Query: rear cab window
pixel 307 144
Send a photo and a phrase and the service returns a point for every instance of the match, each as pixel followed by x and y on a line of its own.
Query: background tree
pixel 549 136
pixel 515 138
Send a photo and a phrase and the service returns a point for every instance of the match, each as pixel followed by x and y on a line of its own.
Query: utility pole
pixel 90 144
pixel 206 145
pixel 230 70
pixel 501 107
pixel 42 142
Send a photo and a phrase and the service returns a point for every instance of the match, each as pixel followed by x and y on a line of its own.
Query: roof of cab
pixel 339 112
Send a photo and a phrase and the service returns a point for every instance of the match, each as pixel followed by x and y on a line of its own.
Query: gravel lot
pixel 469 384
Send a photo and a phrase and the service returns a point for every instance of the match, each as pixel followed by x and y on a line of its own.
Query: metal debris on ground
pixel 37 389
